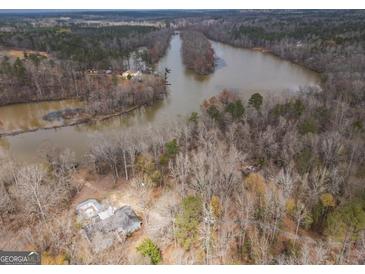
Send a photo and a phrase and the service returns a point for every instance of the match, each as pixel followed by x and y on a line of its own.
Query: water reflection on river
pixel 244 70
pixel 27 116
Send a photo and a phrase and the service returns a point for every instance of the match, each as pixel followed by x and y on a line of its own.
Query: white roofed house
pixel 102 225
pixel 123 220
pixel 132 75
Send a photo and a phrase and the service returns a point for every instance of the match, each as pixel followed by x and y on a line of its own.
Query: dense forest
pixel 107 96
pixel 258 180
pixel 197 52
pixel 89 47
pixel 35 78
pixel 54 62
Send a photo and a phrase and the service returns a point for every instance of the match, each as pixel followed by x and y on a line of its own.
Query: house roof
pixel 106 213
pixel 123 220
pixel 87 203
pixel 88 208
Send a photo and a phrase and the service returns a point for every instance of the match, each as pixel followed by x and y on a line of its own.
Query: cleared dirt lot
pixel 156 208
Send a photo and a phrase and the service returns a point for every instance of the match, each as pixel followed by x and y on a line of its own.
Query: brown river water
pixel 246 71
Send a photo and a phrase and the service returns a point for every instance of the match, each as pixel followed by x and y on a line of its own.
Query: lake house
pixel 102 225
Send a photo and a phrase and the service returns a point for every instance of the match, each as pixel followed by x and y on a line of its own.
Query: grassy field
pixel 19 53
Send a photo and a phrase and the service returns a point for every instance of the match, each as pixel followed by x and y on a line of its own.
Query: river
pixel 246 71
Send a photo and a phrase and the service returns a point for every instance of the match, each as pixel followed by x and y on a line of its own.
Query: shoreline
pixel 41 101
pixel 92 119
pixel 269 52
pixel 98 118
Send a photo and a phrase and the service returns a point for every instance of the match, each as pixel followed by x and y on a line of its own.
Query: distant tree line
pixel 89 47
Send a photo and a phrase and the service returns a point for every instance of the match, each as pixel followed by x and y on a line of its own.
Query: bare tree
pixel 32 192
